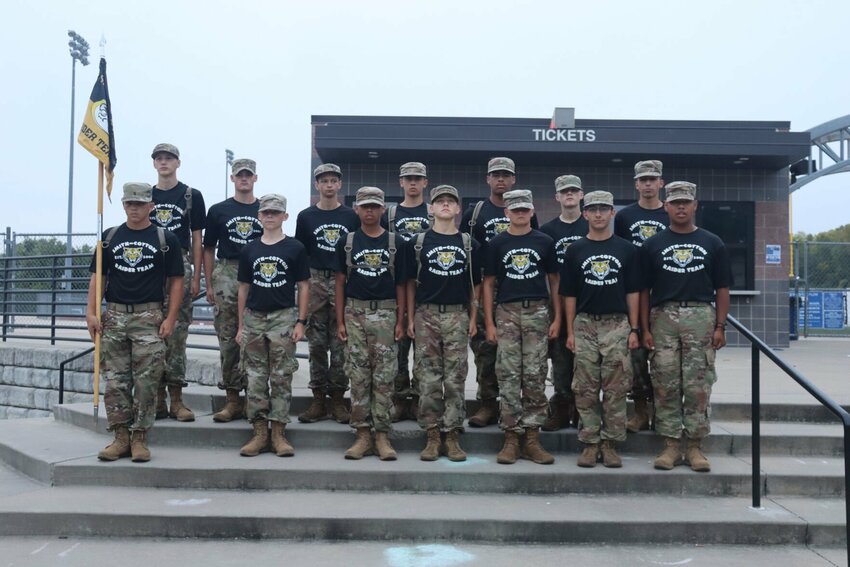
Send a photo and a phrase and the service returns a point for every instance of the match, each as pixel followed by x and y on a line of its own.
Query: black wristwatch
pixel 635 330
pixel 302 321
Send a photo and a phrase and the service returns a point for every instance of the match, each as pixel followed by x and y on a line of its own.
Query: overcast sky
pixel 247 76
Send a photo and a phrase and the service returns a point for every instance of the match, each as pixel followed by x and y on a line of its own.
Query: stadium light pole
pixel 79 50
pixel 228 161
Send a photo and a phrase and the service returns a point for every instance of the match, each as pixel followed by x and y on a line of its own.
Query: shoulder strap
pixel 189 220
pixel 417 251
pixel 392 255
pixel 391 211
pixel 467 249
pixel 475 212
pixel 349 244
pixel 110 234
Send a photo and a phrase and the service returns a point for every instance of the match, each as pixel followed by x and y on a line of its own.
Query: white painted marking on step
pixel 682 562
pixel 69 550
pixel 431 555
pixel 40 549
pixel 188 502
pixel 470 461
pixel 801 461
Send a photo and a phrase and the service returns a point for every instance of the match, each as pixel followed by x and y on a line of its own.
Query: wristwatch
pixel 635 330
pixel 302 321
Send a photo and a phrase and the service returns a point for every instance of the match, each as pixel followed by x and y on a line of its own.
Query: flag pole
pixel 98 290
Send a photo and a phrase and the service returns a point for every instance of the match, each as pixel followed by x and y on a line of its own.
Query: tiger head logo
pixel 520 262
pixel 600 268
pixel 413 225
pixel 244 228
pixel 501 227
pixel 132 255
pixel 373 260
pixel 331 236
pixel 446 259
pixel 268 270
pixel 683 256
pixel 164 216
pixel 647 230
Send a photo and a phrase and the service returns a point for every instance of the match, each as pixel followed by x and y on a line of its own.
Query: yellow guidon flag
pixel 96 133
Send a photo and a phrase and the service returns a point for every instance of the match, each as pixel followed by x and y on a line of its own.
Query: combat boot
pixel 259 443
pixel 317 410
pixel 510 450
pixel 431 452
pixel 452 446
pixel 362 445
pixel 161 406
pixel 383 446
pixel 339 410
pixel 413 409
pixel 119 448
pixel 670 456
pixel 589 456
pixel 139 447
pixel 558 414
pixel 610 458
pixel 233 408
pixel 178 410
pixel 695 456
pixel 533 450
pixel 640 419
pixel 399 409
pixel 487 414
pixel 280 445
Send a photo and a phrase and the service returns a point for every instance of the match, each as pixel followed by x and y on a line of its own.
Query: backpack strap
pixel 417 247
pixel 467 249
pixel 188 198
pixel 391 212
pixel 110 234
pixel 392 255
pixel 475 212
pixel 349 244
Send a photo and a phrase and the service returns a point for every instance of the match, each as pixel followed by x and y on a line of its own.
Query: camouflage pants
pixel 485 361
pixel 405 385
pixel 371 360
pixel 563 361
pixel 322 337
pixel 642 383
pixel 175 344
pixel 226 322
pixel 440 361
pixel 602 363
pixel 269 361
pixel 131 359
pixel 521 364
pixel 682 369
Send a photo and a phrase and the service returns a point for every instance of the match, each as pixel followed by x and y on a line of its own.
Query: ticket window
pixel 734 223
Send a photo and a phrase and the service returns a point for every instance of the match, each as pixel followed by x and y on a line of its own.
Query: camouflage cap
pixel 598 198
pixel 242 165
pixel 501 164
pixel 412 168
pixel 327 168
pixel 566 181
pixel 680 191
pixel 167 148
pixel 440 190
pixel 137 193
pixel 648 168
pixel 273 202
pixel 369 195
pixel 518 199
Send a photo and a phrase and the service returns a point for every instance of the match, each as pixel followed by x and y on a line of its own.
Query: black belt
pixel 373 304
pixel 530 302
pixel 605 316
pixel 323 273
pixel 134 308
pixel 689 303
pixel 441 308
pixel 229 261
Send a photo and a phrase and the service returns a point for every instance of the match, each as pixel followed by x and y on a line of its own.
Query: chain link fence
pixel 820 289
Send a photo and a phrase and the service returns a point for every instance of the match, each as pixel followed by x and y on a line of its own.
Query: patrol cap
pixel 167 148
pixel 137 193
pixel 243 164
pixel 566 181
pixel 273 202
pixel 327 168
pixel 369 195
pixel 599 198
pixel 648 168
pixel 680 191
pixel 518 199
pixel 440 190
pixel 501 164
pixel 412 168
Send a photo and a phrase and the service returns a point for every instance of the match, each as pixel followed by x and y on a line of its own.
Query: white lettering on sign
pixel 563 135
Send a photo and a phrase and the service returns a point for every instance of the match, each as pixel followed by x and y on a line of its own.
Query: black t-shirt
pixel 599 274
pixel 565 233
pixel 636 224
pixel 320 231
pixel 443 277
pixel 408 221
pixel 272 270
pixel 231 225
pixel 170 208
pixel 685 267
pixel 490 222
pixel 370 276
pixel 135 267
pixel 520 264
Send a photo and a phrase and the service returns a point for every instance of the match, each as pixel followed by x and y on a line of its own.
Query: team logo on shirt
pixel 268 270
pixel 446 259
pixel 373 260
pixel 244 228
pixel 520 262
pixel 683 256
pixel 164 216
pixel 600 268
pixel 647 230
pixel 132 255
pixel 501 227
pixel 331 235
pixel 413 225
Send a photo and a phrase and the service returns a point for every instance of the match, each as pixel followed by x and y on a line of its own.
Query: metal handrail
pixel 62 372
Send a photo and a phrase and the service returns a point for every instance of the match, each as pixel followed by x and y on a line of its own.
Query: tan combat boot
pixel 670 456
pixel 413 409
pixel 178 410
pixel 383 446
pixel 362 445
pixel 589 456
pixel 695 456
pixel 610 458
pixel 119 448
pixel 339 410
pixel 510 450
pixel 431 452
pixel 280 445
pixel 139 447
pixel 640 419
pixel 558 414
pixel 533 450
pixel 317 410
pixel 259 443
pixel 233 408
pixel 452 446
pixel 399 409
pixel 161 406
pixel 487 414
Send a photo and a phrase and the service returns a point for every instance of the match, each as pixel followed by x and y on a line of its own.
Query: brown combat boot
pixel 610 458
pixel 339 410
pixel 139 447
pixel 362 445
pixel 280 445
pixel 452 446
pixel 670 456
pixel 259 443
pixel 558 414
pixel 431 452
pixel 161 406
pixel 695 456
pixel 178 410
pixel 399 409
pixel 510 450
pixel 383 446
pixel 233 408
pixel 533 450
pixel 640 419
pixel 487 414
pixel 317 410
pixel 119 448
pixel 589 456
